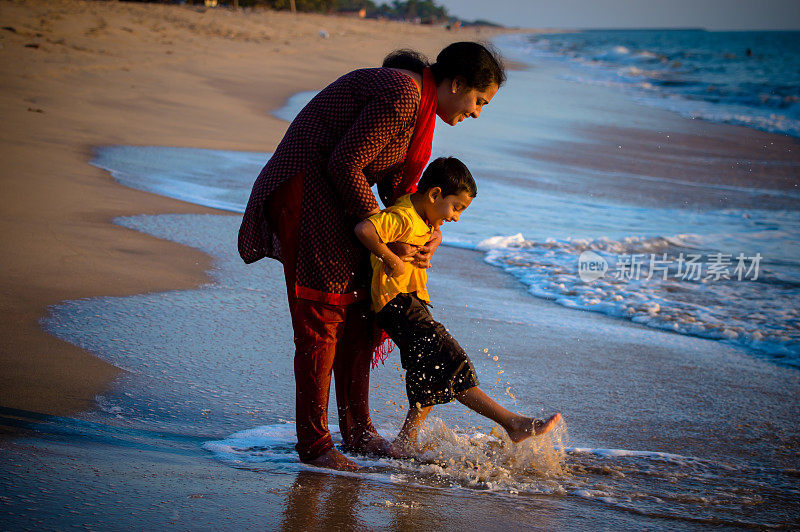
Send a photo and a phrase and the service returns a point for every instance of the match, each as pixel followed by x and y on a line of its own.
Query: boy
pixel 437 368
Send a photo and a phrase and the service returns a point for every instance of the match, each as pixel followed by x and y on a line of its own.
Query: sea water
pixel 749 78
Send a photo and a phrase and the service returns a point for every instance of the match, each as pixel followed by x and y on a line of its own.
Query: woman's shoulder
pixel 389 83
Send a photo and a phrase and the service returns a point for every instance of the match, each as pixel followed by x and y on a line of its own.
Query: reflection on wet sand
pixel 320 501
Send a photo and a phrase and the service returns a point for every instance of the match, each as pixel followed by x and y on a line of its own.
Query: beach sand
pixel 76 75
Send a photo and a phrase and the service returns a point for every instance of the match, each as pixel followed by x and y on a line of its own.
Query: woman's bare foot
pixel 525 427
pixel 333 459
pixel 375 446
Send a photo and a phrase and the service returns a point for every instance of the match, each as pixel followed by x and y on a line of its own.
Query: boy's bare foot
pixel 526 427
pixel 401 449
pixel 333 459
pixel 543 427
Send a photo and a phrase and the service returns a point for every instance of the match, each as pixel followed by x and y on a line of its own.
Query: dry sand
pixel 76 75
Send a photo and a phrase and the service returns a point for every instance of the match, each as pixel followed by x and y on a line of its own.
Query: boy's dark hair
pixel 450 175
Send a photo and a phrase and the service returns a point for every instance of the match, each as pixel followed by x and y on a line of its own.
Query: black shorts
pixel 437 368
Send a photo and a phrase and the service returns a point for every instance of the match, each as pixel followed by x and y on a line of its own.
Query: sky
pixel 571 14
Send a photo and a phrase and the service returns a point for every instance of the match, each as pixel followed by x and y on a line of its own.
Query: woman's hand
pixel 406 252
pixel 419 256
pixel 422 258
pixel 393 265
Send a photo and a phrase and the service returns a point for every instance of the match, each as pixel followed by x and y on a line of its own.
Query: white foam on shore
pixel 293 105
pixel 214 178
pixel 764 319
pixel 617 453
pixel 647 482
pixel 448 459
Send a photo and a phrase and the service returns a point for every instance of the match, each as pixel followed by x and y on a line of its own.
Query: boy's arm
pixel 368 235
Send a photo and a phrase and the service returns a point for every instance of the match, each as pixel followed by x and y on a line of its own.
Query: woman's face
pixel 457 101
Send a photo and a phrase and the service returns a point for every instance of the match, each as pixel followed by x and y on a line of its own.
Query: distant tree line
pixel 426 11
pixel 418 10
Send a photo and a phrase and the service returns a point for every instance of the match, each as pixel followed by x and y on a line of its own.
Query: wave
pixel 674 286
pixel 472 460
pixel 676 70
pixel 652 483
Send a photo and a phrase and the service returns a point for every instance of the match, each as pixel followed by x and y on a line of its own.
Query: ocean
pixel 708 292
pixel 749 78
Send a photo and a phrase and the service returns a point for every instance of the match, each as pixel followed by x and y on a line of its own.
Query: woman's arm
pixel 388 185
pixel 368 235
pixel 381 120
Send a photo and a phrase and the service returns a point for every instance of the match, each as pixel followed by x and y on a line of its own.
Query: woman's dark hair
pixel 406 59
pixel 450 175
pixel 478 64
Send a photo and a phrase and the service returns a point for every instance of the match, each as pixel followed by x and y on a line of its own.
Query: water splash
pixel 491 461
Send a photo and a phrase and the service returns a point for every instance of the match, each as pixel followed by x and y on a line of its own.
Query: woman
pixel 369 126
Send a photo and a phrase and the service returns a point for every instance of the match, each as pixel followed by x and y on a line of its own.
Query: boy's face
pixel 440 209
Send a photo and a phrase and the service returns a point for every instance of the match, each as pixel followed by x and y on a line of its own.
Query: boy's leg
pixel 518 427
pixel 406 443
pixel 437 368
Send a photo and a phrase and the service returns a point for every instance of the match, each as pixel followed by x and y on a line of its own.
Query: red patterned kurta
pixel 353 134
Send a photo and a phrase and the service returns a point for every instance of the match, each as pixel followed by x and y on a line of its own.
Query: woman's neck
pixel 413 75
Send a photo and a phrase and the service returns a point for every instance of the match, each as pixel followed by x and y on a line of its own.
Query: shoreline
pixel 81 74
pixel 644 384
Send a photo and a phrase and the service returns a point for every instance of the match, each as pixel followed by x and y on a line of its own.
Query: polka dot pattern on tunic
pixel 352 135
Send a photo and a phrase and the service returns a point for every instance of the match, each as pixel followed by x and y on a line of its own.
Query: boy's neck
pixel 417 201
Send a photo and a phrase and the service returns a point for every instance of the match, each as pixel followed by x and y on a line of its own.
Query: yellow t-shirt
pixel 399 223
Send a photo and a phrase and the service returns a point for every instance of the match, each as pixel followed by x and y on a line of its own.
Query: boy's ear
pixel 434 193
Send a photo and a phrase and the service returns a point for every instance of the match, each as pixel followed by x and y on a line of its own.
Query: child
pixel 437 368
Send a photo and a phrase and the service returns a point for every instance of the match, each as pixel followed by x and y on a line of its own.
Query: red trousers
pixel 328 338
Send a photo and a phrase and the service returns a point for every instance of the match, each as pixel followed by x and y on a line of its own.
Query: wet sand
pixel 690 164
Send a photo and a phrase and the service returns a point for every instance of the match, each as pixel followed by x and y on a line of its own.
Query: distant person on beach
pixel 438 370
pixel 370 126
